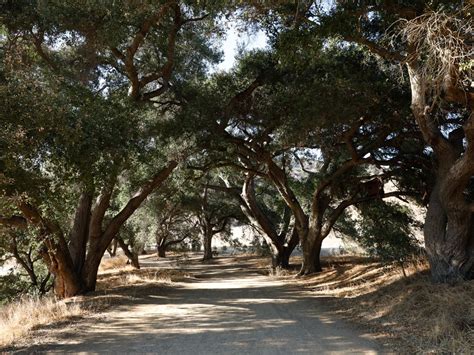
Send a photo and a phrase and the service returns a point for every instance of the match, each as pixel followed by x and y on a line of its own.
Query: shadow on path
pixel 226 308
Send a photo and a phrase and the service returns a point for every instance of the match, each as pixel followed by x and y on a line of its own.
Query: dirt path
pixel 224 309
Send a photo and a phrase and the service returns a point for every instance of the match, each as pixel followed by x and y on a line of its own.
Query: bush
pixel 386 230
pixel 16 284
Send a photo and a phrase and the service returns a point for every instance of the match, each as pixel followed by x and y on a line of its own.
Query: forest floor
pixel 228 306
pixel 180 305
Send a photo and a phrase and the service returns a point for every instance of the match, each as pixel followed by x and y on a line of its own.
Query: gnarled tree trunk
pixel 311 245
pixel 280 247
pixel 449 237
pixel 132 257
pixel 75 268
pixel 67 282
pixel 449 224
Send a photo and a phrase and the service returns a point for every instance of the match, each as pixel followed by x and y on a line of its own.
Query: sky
pixel 233 40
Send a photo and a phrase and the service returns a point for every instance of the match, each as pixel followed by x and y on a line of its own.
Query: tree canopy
pixel 115 124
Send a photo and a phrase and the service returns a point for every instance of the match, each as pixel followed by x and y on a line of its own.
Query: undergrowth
pixel 19 317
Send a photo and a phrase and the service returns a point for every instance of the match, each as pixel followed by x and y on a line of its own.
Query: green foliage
pixel 27 272
pixel 70 122
pixel 386 230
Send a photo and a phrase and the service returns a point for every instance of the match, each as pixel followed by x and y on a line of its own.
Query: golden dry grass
pixel 115 263
pixel 128 276
pixel 428 317
pixel 420 316
pixel 21 316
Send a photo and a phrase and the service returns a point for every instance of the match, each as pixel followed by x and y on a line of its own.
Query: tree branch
pixel 99 209
pixel 354 201
pixel 114 225
pixel 377 49
pixel 14 221
pixel 176 241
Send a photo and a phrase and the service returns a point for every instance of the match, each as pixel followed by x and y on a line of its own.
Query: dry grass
pixel 18 318
pixel 429 317
pixel 128 276
pixel 115 263
pixel 420 316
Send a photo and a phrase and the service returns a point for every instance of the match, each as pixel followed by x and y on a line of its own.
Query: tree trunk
pixel 161 244
pixel 281 260
pixel 66 285
pixel 91 268
pixel 288 248
pixel 449 240
pixel 285 257
pixel 311 253
pixel 112 249
pixel 98 241
pixel 281 253
pixel 162 251
pixel 74 270
pixel 80 231
pixel 132 257
pixel 67 282
pixel 448 229
pixel 207 242
pixel 280 250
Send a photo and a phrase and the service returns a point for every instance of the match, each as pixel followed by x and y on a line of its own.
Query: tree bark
pixel 311 254
pixel 281 259
pixel 67 283
pixel 207 242
pixel 80 231
pixel 281 250
pixel 162 251
pixel 128 253
pixel 449 238
pixel 449 226
pixel 92 263
pixel 288 248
